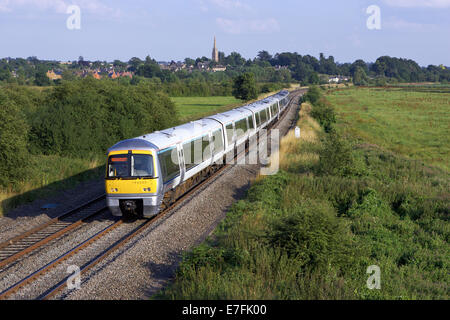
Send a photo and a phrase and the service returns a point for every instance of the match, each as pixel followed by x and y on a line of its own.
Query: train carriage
pixel 147 173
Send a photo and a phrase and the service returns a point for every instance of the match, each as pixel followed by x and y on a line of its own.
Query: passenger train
pixel 146 174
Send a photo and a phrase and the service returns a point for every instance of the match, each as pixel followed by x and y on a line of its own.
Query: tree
pixel 264 55
pixel 189 61
pixel 244 87
pixel 13 142
pixel 360 78
pixel 40 78
pixel 358 64
pixel 134 64
pixel 234 59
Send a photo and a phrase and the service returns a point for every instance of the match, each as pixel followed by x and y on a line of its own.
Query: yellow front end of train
pixel 131 183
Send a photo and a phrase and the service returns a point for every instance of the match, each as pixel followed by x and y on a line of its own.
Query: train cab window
pixel 118 166
pixel 170 167
pixel 218 141
pixel 241 127
pixel 134 165
pixel 141 165
pixel 250 122
pixel 229 129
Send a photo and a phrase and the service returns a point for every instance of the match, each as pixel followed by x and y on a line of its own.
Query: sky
pixel 174 29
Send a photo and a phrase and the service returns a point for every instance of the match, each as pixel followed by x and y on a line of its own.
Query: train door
pixel 180 153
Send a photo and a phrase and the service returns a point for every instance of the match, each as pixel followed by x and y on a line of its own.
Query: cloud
pixel 418 3
pixel 223 5
pixel 248 26
pixel 230 4
pixel 59 6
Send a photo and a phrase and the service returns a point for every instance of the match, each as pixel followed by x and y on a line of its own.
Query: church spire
pixel 215 52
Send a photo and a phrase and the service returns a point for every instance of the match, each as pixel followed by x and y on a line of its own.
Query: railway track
pixel 54 290
pixel 33 239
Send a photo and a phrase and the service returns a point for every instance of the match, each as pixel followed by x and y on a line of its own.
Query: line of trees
pixel 78 119
pixel 280 68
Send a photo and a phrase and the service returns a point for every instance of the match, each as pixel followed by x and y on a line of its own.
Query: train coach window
pixel 250 122
pixel 258 120
pixel 206 148
pixel 241 127
pixel 196 151
pixel 168 160
pixel 229 129
pixel 218 141
pixel 263 115
pixel 141 165
pixel 274 109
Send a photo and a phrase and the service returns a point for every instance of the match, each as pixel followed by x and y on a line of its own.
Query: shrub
pixel 13 142
pixel 335 158
pixel 313 95
pixel 310 232
pixel 85 117
pixel 244 87
pixel 325 114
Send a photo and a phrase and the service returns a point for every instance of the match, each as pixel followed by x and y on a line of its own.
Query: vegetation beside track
pixel 339 205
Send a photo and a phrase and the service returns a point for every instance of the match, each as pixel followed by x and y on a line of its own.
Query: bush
pixel 244 87
pixel 313 95
pixel 85 117
pixel 325 114
pixel 13 142
pixel 310 232
pixel 335 158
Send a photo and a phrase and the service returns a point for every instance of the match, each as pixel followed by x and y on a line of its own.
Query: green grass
pixel 311 231
pixel 191 108
pixel 410 123
pixel 48 175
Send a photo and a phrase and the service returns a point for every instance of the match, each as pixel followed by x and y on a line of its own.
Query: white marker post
pixel 297 132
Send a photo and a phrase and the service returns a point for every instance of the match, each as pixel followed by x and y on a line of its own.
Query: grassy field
pixel 410 123
pixel 191 108
pixel 339 205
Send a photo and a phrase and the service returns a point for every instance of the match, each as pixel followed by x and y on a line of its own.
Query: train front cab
pixel 132 183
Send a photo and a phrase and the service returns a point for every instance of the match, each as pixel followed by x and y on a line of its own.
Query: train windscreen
pixel 130 166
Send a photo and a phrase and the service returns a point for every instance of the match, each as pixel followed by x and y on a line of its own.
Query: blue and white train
pixel 146 174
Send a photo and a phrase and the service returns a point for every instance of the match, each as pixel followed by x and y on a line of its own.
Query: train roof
pixel 132 144
pixel 163 139
pixel 169 137
pixel 229 116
